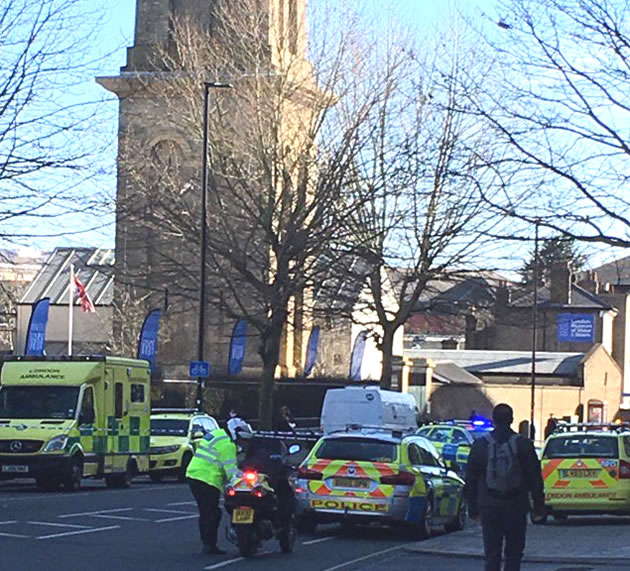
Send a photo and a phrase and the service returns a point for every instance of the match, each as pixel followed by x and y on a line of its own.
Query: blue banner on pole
pixel 311 351
pixel 357 356
pixel 238 342
pixel 36 332
pixel 576 328
pixel 147 343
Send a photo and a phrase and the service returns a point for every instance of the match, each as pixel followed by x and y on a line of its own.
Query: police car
pixel 454 438
pixel 174 437
pixel 586 470
pixel 374 475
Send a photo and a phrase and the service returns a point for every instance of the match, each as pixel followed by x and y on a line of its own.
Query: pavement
pixel 592 540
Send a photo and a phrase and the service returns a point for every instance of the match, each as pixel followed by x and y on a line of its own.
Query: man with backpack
pixel 502 472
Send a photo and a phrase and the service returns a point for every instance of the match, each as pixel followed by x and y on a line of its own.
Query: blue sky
pixel 116 34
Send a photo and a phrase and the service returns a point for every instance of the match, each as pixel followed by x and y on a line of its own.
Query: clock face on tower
pixel 167 154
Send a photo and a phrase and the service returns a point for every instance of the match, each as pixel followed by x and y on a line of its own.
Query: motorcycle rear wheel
pixel 246 540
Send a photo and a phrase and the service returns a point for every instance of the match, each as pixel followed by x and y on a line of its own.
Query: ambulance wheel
pixel 306 524
pixel 424 529
pixel 156 477
pixel 72 480
pixel 459 521
pixel 186 458
pixel 122 480
pixel 47 483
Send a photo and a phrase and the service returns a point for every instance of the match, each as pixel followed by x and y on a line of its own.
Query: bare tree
pixel 44 153
pixel 556 98
pixel 418 180
pixel 282 161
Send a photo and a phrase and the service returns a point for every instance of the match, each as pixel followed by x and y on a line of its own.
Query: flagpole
pixel 70 308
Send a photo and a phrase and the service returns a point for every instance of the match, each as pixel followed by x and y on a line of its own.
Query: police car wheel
pixel 557 516
pixel 306 524
pixel 459 521
pixel 424 529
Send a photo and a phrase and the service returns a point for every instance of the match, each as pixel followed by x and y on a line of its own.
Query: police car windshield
pixel 358 449
pixel 582 446
pixel 169 427
pixel 38 402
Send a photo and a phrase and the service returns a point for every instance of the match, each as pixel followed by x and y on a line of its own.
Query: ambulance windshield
pixel 38 402
pixel 582 446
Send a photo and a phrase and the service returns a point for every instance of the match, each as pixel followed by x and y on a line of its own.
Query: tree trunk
pixel 387 347
pixel 270 354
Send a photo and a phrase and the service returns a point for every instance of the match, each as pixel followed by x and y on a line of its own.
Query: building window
pixel 137 393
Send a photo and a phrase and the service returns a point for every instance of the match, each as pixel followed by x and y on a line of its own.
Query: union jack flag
pixel 86 302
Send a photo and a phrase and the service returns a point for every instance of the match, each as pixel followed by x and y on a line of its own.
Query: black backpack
pixel 504 474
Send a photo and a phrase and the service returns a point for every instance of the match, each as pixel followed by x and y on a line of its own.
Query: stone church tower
pixel 149 131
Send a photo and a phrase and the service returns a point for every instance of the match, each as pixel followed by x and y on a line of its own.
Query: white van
pixel 368 407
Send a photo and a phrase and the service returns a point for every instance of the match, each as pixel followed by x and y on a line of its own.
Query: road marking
pixel 58 524
pixel 359 559
pixel 2 534
pixel 175 518
pixel 168 511
pixel 314 541
pixel 96 513
pixel 92 530
pixel 8 522
pixel 224 563
pixel 182 504
pixel 121 517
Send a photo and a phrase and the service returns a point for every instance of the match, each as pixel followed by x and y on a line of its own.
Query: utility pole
pixel 532 427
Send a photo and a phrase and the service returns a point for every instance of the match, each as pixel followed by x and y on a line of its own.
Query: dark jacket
pixel 476 491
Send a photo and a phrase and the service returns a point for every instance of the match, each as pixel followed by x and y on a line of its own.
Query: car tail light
pixel 308 474
pixel 250 477
pixel 624 469
pixel 231 492
pixel 400 479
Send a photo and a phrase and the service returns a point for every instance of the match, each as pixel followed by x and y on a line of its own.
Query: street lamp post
pixel 532 427
pixel 207 86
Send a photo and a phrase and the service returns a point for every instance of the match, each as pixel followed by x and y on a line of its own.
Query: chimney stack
pixel 560 283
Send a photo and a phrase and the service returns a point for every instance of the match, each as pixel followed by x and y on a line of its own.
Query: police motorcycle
pixel 255 512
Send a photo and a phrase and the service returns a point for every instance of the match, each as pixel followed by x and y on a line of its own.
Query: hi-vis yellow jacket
pixel 215 460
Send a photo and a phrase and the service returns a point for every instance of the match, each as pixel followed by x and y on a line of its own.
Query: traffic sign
pixel 199 369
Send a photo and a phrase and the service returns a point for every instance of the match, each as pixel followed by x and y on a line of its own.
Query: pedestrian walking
pixel 552 424
pixel 502 472
pixel 285 422
pixel 211 468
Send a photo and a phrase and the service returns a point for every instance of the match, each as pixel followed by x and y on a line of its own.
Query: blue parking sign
pixel 199 369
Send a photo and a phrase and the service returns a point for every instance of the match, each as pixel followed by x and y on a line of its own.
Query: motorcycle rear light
pixel 308 474
pixel 250 477
pixel 624 470
pixel 231 492
pixel 400 479
pixel 258 493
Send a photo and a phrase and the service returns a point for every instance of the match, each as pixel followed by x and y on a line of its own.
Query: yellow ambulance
pixel 586 470
pixel 65 418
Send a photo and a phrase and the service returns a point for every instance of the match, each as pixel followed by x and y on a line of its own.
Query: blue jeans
pixel 503 524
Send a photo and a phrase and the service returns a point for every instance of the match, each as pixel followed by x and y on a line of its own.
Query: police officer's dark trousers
pixel 503 524
pixel 207 498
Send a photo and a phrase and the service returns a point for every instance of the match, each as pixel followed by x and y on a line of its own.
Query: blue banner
pixel 36 332
pixel 237 347
pixel 357 356
pixel 576 327
pixel 147 343
pixel 311 351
